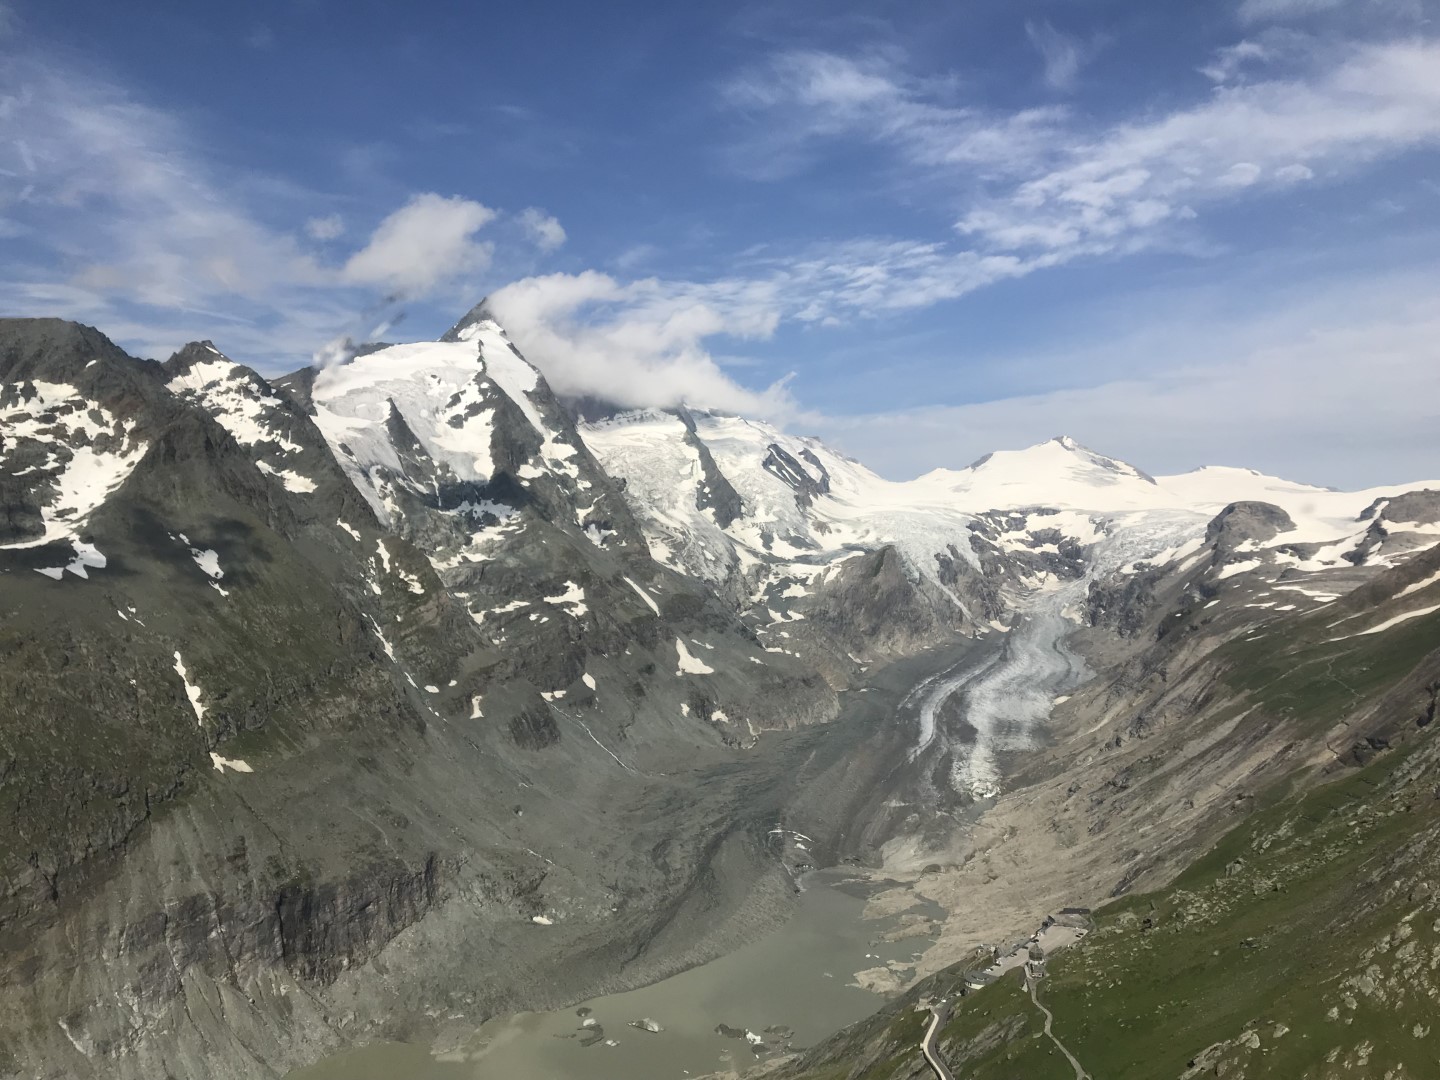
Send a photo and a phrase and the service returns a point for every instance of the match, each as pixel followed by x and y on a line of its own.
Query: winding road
pixel 939 1013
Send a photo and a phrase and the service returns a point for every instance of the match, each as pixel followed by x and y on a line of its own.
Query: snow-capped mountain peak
pixel 439 391
pixel 1059 472
pixel 468 326
pixel 442 416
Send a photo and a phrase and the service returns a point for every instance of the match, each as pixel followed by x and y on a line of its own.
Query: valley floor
pixel 835 794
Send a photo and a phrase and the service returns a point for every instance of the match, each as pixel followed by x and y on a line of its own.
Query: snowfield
pixel 424 386
pixel 690 665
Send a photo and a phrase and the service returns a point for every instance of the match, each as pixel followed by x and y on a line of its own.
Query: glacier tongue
pixel 1010 701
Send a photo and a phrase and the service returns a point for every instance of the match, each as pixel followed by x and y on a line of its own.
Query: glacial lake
pixel 797 977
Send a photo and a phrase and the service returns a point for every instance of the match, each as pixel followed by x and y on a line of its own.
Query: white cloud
pixel 329 227
pixel 427 241
pixel 1063 54
pixel 656 342
pixel 121 199
pixel 835 282
pixel 131 211
pixel 649 342
pixel 642 343
pixel 635 255
pixel 113 217
pixel 1228 62
pixel 1240 175
pixel 1330 382
pixel 818 79
pixel 545 230
pixel 1045 182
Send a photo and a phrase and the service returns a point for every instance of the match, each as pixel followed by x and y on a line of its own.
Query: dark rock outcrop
pixel 1240 522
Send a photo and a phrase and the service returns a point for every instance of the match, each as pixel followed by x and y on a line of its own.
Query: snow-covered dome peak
pixel 1058 472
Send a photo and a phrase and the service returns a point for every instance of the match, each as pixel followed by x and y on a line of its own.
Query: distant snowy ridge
pixel 1050 510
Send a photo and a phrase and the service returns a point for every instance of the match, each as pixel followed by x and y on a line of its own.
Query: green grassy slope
pixel 1305 944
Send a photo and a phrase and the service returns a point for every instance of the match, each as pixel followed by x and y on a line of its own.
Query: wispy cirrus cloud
pixel 1044 180
pixel 1064 55
pixel 1376 102
pixel 799 101
pixel 1231 61
pixel 115 215
pixel 114 190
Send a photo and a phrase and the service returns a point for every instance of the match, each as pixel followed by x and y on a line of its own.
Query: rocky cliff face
pixel 874 607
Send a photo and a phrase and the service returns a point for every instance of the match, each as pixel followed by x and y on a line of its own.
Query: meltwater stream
pixel 797 979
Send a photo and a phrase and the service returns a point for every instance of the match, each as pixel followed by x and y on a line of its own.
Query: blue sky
pixel 1182 233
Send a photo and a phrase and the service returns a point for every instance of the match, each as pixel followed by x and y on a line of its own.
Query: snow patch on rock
pixel 572 600
pixel 192 690
pixel 690 665
pixel 89 452
pixel 87 558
